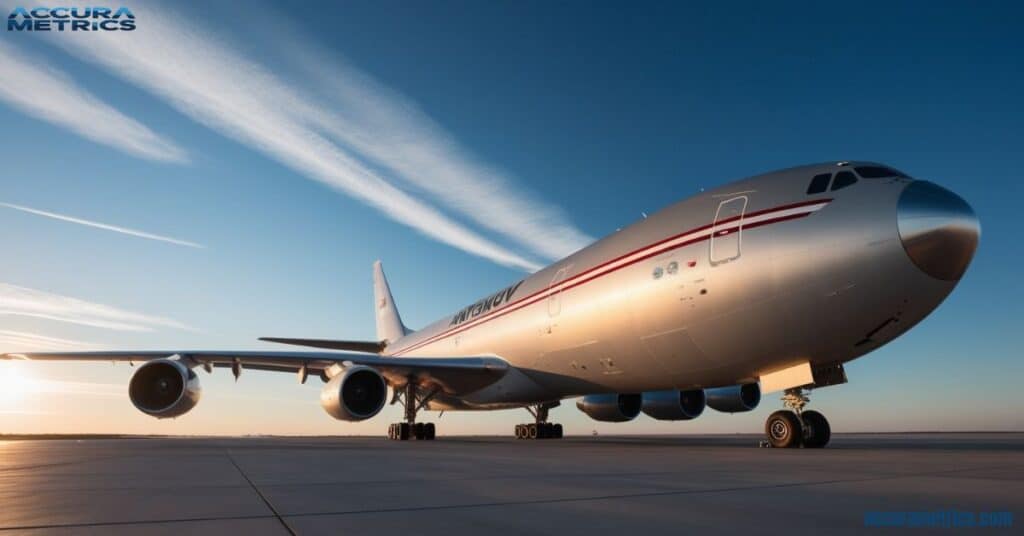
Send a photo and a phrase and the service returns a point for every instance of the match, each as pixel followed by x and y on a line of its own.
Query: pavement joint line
pixel 138 522
pixel 277 516
pixel 280 519
pixel 903 458
pixel 490 477
pixel 626 495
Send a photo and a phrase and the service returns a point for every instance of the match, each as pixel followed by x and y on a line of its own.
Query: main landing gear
pixel 410 429
pixel 793 427
pixel 541 428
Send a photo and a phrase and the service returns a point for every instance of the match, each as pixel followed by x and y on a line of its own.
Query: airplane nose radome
pixel 938 229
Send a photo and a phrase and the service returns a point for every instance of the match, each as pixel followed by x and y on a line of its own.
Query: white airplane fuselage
pixel 716 290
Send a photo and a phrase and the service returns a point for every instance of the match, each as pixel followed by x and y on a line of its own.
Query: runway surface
pixel 497 485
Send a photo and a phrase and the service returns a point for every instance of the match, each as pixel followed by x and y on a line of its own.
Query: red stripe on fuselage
pixel 578 280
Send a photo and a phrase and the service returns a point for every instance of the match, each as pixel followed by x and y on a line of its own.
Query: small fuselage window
pixel 843 179
pixel 819 183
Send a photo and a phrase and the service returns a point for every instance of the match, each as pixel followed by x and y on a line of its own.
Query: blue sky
pixel 463 143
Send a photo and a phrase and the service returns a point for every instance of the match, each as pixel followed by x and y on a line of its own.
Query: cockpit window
pixel 877 172
pixel 843 179
pixel 819 183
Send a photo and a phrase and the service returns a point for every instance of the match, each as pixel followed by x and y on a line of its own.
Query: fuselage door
pixel 555 298
pixel 727 231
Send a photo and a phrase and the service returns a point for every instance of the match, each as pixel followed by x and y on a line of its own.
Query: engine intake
pixel 735 398
pixel 674 405
pixel 164 388
pixel 612 407
pixel 356 394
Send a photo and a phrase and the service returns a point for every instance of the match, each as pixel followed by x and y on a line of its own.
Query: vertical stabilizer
pixel 389 324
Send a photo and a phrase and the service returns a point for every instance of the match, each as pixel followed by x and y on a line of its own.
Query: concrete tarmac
pixel 454 486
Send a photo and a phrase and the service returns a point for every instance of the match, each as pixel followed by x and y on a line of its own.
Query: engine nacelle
pixel 674 405
pixel 164 388
pixel 611 407
pixel 735 398
pixel 356 394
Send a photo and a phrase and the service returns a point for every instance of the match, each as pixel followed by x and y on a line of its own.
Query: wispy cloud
pixel 392 131
pixel 22 301
pixel 52 96
pixel 104 226
pixel 217 86
pixel 18 341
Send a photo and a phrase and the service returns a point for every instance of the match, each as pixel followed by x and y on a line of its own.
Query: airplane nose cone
pixel 938 229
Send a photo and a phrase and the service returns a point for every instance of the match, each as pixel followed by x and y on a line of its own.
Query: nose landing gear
pixel 541 429
pixel 793 427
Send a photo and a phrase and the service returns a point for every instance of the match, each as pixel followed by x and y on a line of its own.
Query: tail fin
pixel 389 324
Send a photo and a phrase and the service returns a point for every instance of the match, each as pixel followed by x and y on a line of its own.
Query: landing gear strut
pixel 540 428
pixel 793 427
pixel 410 429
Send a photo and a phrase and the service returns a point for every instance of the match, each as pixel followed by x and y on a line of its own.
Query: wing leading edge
pixel 455 375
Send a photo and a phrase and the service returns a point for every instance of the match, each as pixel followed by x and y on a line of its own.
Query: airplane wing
pixel 455 375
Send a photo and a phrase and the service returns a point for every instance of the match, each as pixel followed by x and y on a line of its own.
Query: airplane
pixel 768 284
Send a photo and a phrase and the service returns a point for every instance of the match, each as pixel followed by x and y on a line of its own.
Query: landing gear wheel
pixel 413 398
pixel 399 431
pixel 783 429
pixel 540 428
pixel 817 432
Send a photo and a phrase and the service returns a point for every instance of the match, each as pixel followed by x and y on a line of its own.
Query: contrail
pixel 222 89
pixel 27 302
pixel 52 96
pixel 393 132
pixel 104 226
pixel 16 341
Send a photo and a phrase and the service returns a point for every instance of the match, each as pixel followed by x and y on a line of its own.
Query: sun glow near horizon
pixel 15 383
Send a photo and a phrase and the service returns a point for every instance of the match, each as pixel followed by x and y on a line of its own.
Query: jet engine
pixel 610 407
pixel 674 405
pixel 735 398
pixel 356 394
pixel 164 388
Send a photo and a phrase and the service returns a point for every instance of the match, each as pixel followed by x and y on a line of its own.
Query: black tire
pixel 542 430
pixel 783 429
pixel 418 431
pixel 403 431
pixel 558 431
pixel 429 431
pixel 817 432
pixel 391 431
pixel 532 431
pixel 519 431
